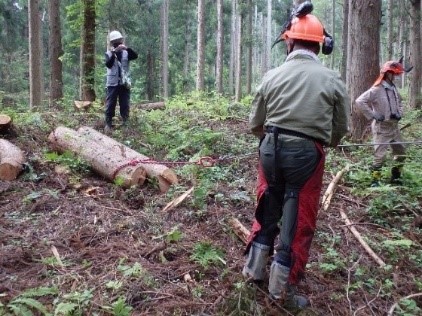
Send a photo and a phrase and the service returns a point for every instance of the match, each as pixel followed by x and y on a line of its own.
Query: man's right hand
pixel 378 117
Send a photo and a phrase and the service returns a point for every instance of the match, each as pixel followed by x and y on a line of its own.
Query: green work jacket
pixel 303 96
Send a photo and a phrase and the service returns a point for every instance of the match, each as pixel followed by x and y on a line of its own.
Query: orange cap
pixel 307 28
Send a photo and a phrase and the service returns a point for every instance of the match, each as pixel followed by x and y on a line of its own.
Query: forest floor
pixel 120 253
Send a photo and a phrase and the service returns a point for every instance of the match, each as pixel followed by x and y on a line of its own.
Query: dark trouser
pixel 287 167
pixel 123 95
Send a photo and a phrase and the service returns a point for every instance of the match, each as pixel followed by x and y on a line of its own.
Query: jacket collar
pixel 302 52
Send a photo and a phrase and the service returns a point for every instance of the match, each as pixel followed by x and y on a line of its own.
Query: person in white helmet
pixel 117 63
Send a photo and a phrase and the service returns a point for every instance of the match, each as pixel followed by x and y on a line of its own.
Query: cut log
pixel 11 160
pixel 5 122
pixel 100 158
pixel 239 229
pixel 82 105
pixel 165 176
pixel 152 106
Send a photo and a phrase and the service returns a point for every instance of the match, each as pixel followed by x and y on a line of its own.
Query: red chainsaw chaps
pixel 306 221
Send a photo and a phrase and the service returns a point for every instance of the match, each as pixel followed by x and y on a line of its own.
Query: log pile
pixel 110 158
pixel 11 160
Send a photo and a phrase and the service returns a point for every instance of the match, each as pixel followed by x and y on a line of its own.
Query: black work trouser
pixel 115 93
pixel 287 167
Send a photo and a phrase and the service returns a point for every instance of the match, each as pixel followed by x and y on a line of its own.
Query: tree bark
pixel 390 29
pixel 345 33
pixel 165 47
pixel 56 51
pixel 35 55
pixel 87 92
pixel 11 160
pixel 100 158
pixel 249 39
pixel 238 73
pixel 363 41
pixel 200 64
pixel 165 176
pixel 415 96
pixel 220 43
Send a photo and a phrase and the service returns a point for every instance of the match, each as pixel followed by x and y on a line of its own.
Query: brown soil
pixel 98 227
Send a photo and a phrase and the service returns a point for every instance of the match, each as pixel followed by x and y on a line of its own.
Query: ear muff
pixel 328 44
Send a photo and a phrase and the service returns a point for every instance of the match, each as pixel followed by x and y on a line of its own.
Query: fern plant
pixel 205 254
pixel 26 304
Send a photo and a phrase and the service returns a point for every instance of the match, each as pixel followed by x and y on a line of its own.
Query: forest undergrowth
pixel 72 243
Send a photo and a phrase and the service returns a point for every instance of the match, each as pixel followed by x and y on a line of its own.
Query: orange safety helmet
pixel 307 28
pixel 395 67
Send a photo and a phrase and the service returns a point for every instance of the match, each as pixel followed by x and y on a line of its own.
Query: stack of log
pixel 12 160
pixel 110 158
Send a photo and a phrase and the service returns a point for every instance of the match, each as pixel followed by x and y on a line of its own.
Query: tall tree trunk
pixel 200 64
pixel 238 76
pixel 403 38
pixel 150 75
pixel 390 29
pixel 345 32
pixel 165 47
pixel 363 55
pixel 333 31
pixel 87 92
pixel 249 46
pixel 415 96
pixel 56 51
pixel 232 46
pixel 35 55
pixel 269 39
pixel 187 54
pixel 220 42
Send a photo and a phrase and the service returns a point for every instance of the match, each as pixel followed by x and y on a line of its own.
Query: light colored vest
pixel 113 78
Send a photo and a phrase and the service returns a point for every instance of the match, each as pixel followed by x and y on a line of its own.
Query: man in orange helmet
pixel 300 107
pixel 382 104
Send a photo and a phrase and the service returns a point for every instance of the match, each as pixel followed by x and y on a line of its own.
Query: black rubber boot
pixel 396 176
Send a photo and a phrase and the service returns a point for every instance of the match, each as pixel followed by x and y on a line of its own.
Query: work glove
pixel 378 117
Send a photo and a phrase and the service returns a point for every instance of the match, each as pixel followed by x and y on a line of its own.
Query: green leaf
pixel 405 243
pixel 65 308
pixel 31 303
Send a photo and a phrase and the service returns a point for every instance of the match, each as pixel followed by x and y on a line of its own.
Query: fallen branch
pixel 326 199
pixel 171 205
pixel 239 229
pixel 391 311
pixel 326 202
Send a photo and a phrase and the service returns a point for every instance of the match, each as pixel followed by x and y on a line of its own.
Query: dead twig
pixel 360 239
pixel 391 311
pixel 326 203
pixel 326 199
pixel 171 205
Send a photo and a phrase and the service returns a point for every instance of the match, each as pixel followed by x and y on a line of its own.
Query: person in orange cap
pixel 382 103
pixel 299 108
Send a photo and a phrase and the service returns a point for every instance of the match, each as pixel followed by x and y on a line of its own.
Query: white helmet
pixel 115 35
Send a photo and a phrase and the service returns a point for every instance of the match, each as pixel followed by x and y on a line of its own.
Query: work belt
pixel 278 130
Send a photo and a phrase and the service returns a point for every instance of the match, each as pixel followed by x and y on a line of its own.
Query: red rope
pixel 205 162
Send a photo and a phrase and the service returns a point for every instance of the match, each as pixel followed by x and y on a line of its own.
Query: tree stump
pixel 82 105
pixel 100 158
pixel 11 160
pixel 165 176
pixel 5 122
